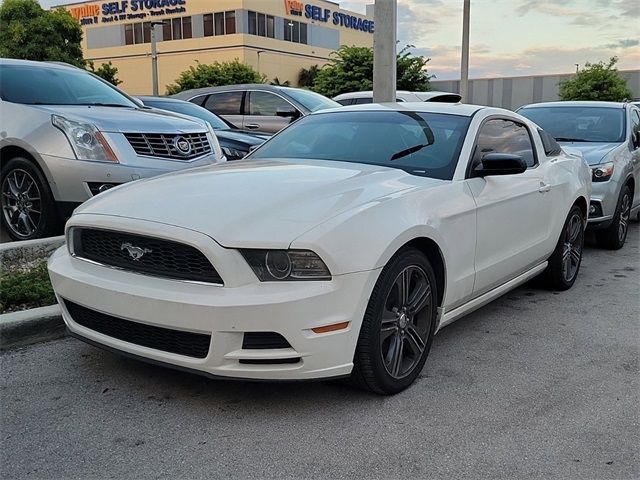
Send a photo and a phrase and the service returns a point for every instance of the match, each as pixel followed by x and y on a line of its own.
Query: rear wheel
pixel 564 263
pixel 28 210
pixel 398 325
pixel 614 236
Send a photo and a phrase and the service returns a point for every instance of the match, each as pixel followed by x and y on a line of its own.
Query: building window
pixel 261 24
pixel 135 33
pixel 221 23
pixel 177 28
pixel 295 31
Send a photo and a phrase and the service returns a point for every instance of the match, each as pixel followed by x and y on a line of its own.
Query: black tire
pixel 614 236
pixel 26 212
pixel 564 263
pixel 414 327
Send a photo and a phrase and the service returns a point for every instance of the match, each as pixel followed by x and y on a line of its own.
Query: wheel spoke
pixel 396 359
pixel 419 298
pixel 576 255
pixel 575 229
pixel 414 341
pixel 402 282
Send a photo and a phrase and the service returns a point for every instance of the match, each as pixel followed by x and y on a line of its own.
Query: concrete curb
pixel 31 326
pixel 16 253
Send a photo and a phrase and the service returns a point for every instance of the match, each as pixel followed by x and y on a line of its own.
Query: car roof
pixel 145 98
pixel 33 63
pixel 229 88
pixel 462 109
pixel 577 104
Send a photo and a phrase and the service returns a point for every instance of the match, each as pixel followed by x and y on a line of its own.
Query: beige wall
pixel 281 59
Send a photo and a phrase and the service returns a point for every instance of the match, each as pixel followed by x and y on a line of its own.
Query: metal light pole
pixel 154 58
pixel 464 67
pixel 384 50
pixel 258 54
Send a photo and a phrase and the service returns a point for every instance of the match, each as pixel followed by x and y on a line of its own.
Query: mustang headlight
pixel 232 153
pixel 602 173
pixel 277 265
pixel 85 139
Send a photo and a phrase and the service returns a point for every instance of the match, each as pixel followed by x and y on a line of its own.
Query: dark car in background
pixel 235 143
pixel 263 108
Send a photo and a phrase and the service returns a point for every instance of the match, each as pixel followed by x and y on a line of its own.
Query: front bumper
pixel 604 200
pixel 69 178
pixel 291 309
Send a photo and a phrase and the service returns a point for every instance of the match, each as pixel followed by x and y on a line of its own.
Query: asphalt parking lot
pixel 535 385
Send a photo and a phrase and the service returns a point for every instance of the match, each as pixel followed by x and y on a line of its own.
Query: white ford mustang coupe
pixel 339 247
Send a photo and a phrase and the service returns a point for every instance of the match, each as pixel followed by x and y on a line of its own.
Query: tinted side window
pixel 363 101
pixel 345 101
pixel 551 147
pixel 635 121
pixel 503 136
pixel 266 104
pixel 199 100
pixel 224 103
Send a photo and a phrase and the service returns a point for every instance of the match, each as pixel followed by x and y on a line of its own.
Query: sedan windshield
pixel 312 101
pixel 426 144
pixel 45 85
pixel 191 109
pixel 578 123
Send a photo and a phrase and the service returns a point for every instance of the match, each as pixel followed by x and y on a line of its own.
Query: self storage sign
pixel 326 15
pixel 109 12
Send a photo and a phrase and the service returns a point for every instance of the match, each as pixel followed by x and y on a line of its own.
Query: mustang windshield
pixel 579 124
pixel 426 144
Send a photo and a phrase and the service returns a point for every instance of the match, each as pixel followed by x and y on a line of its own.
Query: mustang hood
pixel 594 153
pixel 266 203
pixel 127 120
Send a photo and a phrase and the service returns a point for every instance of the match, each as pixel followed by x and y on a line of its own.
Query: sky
pixel 515 37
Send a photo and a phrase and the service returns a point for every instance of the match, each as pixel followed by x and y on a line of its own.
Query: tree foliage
pixel 597 81
pixel 29 32
pixel 215 74
pixel 277 81
pixel 307 76
pixel 106 71
pixel 351 70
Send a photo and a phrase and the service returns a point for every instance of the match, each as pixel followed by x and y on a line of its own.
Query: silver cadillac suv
pixel 608 134
pixel 66 135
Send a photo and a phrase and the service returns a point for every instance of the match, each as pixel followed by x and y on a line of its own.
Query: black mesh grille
pixel 155 256
pixel 166 145
pixel 166 339
pixel 264 340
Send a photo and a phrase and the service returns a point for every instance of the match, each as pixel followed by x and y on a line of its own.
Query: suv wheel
pixel 614 236
pixel 398 325
pixel 28 210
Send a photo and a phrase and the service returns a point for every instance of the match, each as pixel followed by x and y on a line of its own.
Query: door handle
pixel 252 126
pixel 544 187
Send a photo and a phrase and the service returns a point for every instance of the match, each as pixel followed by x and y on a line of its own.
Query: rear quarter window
pixel 551 147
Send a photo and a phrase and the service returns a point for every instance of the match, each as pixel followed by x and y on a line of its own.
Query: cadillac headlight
pixel 602 173
pixel 87 142
pixel 279 265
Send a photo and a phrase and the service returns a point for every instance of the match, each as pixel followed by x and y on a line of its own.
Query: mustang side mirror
pixel 287 112
pixel 500 164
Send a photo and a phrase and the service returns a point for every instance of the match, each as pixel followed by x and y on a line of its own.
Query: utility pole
pixel 258 54
pixel 154 58
pixel 385 16
pixel 464 65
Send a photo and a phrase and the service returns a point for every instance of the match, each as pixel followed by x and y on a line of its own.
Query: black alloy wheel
pixel 564 263
pixel 398 325
pixel 27 208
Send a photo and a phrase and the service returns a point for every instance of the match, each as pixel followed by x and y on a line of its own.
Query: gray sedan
pixel 608 134
pixel 263 108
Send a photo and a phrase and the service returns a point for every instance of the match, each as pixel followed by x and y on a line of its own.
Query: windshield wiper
pixel 408 151
pixel 98 104
pixel 569 139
